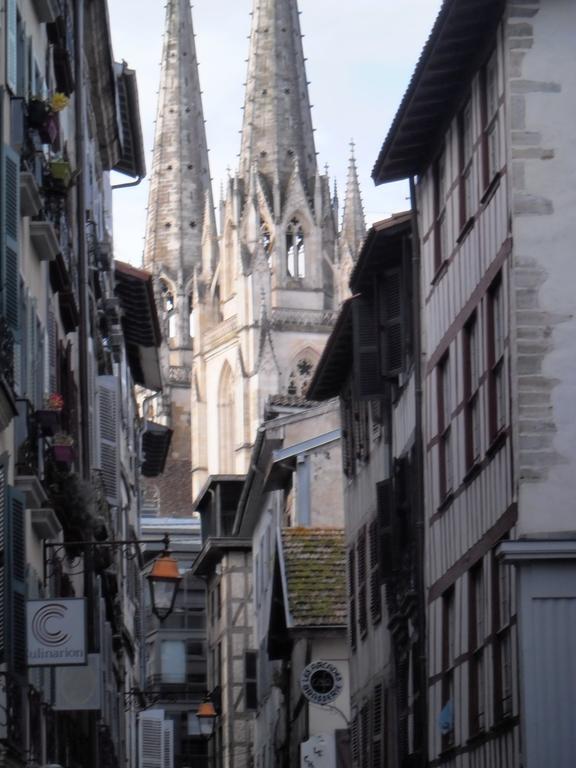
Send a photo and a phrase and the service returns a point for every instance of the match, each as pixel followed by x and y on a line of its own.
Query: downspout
pixel 83 296
pixel 419 463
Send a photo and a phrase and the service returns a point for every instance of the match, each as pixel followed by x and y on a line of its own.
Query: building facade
pixel 490 160
pixel 72 448
pixel 370 362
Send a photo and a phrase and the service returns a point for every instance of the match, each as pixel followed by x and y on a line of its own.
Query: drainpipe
pixel 419 461
pixel 83 296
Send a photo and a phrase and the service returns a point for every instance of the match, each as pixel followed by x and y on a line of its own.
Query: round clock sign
pixel 321 682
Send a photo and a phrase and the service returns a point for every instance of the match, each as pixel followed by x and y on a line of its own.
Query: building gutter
pixel 83 297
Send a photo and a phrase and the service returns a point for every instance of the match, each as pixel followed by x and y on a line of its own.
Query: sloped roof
pixel 443 70
pixel 315 576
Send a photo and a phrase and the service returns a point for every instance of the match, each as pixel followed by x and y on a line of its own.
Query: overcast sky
pixel 360 56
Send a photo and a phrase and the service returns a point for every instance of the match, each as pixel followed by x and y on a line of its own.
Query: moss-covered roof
pixel 314 561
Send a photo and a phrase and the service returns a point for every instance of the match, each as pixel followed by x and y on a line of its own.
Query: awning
pixel 140 324
pixel 132 160
pixel 156 440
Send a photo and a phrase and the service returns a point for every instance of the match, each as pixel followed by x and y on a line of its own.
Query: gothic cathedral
pixel 246 306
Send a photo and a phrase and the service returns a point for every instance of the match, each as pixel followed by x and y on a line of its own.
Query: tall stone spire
pixel 180 180
pixel 353 223
pixel 277 129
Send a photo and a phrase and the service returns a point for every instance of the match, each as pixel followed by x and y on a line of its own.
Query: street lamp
pixel 164 580
pixel 206 715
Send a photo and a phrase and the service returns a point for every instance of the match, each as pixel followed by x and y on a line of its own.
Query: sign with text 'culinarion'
pixel 56 632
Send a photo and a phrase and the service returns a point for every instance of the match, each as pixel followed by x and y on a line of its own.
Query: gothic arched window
pixel 295 253
pixel 168 307
pixel 266 240
pixel 226 421
pixel 191 316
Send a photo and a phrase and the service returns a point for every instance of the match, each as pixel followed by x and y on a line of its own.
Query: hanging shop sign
pixel 56 632
pixel 321 682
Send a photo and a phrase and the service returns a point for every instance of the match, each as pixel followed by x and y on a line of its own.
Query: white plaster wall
pixel 542 81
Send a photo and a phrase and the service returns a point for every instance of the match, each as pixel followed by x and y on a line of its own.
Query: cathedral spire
pixel 353 222
pixel 180 196
pixel 277 126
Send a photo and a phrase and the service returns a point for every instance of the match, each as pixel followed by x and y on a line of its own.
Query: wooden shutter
pixel 9 227
pixel 11 46
pixel 151 739
pixel 352 595
pixel 108 431
pixel 391 323
pixel 386 524
pixel 16 587
pixel 367 379
pixel 3 521
pixel 375 580
pixel 362 591
pixel 378 726
pixel 167 744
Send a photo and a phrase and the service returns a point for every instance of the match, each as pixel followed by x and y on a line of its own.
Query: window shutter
pixel 391 323
pixel 3 522
pixel 9 226
pixel 11 46
pixel 167 744
pixel 362 596
pixel 367 380
pixel 16 587
pixel 151 739
pixel 108 429
pixel 352 596
pixel 386 524
pixel 375 580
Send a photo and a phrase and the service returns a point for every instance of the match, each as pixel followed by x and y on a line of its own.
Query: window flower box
pixel 64 454
pixel 60 171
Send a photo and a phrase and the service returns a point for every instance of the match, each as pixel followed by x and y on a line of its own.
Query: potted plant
pixel 43 115
pixel 60 171
pixel 48 417
pixel 63 448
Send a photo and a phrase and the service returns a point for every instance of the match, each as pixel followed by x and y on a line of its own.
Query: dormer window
pixel 295 254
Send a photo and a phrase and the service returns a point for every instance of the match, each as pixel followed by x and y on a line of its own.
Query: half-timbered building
pixel 483 132
pixel 370 363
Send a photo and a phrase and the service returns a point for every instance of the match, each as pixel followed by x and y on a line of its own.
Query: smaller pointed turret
pixel 353 223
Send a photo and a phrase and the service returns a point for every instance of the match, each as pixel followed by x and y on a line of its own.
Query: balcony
pixel 30 200
pixel 44 239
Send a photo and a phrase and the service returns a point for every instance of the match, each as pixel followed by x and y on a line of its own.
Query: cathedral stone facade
pixel 247 306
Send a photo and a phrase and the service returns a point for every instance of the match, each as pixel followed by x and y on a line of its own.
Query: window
pixel 295 253
pixel 173 661
pixel 444 427
pixel 375 596
pixel 490 136
pixel 472 374
pixel 226 421
pixel 362 595
pixel 266 241
pixel 448 657
pixel 496 340
pixel 250 679
pixel 378 743
pixel 476 637
pixel 466 152
pixel 440 223
pixel 502 593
